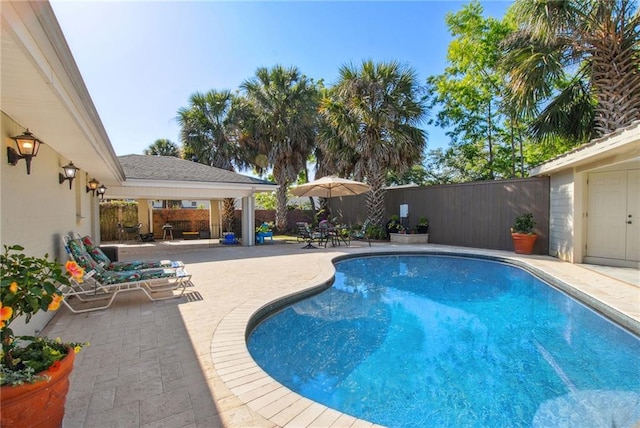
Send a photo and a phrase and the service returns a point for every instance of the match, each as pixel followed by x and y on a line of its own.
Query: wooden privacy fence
pixel 478 214
pixel 182 220
pixel 113 213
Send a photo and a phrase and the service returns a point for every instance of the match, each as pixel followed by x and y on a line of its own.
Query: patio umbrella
pixel 327 187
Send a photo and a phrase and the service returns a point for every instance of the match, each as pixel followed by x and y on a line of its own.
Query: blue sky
pixel 141 61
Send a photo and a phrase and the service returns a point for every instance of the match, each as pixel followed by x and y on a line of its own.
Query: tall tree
pixel 208 137
pixel 278 125
pixel 470 95
pixel 373 115
pixel 578 60
pixel 163 147
pixel 207 130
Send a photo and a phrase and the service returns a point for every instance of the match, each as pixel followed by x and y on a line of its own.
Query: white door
pixel 633 215
pixel 613 229
pixel 607 226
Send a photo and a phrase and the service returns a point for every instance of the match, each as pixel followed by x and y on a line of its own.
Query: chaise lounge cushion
pixel 88 263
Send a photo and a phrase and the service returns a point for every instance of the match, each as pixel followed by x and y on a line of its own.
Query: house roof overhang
pixel 168 177
pixel 42 90
pixel 618 147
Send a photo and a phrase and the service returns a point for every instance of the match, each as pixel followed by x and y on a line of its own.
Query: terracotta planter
pixel 39 404
pixel 523 242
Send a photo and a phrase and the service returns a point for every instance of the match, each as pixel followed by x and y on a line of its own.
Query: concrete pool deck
pixel 183 362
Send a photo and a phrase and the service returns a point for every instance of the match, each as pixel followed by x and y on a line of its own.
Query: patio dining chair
pixel 306 233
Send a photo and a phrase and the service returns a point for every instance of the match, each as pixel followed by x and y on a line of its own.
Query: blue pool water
pixel 435 341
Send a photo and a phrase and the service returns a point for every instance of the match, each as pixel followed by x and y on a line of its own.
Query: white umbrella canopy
pixel 328 187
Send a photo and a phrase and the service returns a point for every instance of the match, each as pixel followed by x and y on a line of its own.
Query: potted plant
pixel 423 225
pixel 34 371
pixel 522 234
pixel 394 225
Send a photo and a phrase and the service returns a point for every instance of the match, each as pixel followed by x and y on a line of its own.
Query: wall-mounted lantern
pixel 28 147
pixel 70 171
pixel 92 185
pixel 101 191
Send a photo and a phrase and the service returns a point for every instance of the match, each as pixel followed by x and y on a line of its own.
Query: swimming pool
pixel 449 341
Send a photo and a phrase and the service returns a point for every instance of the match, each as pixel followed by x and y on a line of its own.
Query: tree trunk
pixel 521 153
pixel 375 198
pixel 616 84
pixel 491 174
pixel 228 214
pixel 513 149
pixel 281 207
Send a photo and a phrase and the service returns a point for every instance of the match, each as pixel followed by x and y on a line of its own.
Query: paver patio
pixel 183 362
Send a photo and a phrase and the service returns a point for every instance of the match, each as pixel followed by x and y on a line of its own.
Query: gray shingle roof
pixel 169 168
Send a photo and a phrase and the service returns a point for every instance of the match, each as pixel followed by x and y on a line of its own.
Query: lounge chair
pixel 99 256
pixel 102 286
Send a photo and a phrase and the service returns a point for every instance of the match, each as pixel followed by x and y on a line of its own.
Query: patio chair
pixel 330 233
pixel 307 234
pixel 125 232
pixel 99 256
pixel 102 286
pixel 362 233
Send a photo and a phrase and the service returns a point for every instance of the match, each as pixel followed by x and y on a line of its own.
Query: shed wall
pixel 561 216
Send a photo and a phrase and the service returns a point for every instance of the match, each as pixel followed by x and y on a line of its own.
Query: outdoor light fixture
pixel 101 191
pixel 70 172
pixel 28 147
pixel 92 185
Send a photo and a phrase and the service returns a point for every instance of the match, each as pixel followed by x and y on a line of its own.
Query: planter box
pixel 411 238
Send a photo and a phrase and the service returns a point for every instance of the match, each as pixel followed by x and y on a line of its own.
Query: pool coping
pixel 283 407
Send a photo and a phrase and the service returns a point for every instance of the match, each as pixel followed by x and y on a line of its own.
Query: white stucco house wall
pixel 595 200
pixel 41 90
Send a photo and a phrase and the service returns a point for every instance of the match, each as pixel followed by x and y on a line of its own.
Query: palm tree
pixel 581 60
pixel 208 137
pixel 373 113
pixel 207 130
pixel 277 125
pixel 163 147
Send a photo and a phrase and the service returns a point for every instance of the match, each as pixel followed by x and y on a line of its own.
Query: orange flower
pixel 74 270
pixel 5 314
pixel 13 287
pixel 55 303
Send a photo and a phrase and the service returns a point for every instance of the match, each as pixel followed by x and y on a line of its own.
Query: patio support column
pixel 215 220
pixel 94 221
pixel 144 215
pixel 248 221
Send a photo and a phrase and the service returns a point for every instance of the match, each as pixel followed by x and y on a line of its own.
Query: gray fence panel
pixel 478 214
